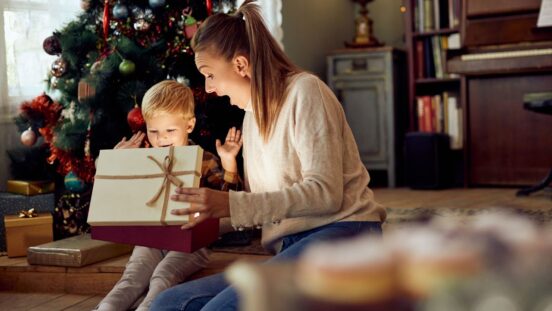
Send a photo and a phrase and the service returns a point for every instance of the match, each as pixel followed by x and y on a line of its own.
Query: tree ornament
pixel 143 18
pixel 190 26
pixel 85 90
pixel 120 11
pixel 28 137
pixel 96 67
pixel 51 45
pixel 54 82
pixel 142 25
pixel 85 4
pixel 58 67
pixel 135 119
pixel 73 183
pixel 156 3
pixel 127 67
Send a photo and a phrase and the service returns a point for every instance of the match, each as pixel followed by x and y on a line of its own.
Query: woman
pixel 304 178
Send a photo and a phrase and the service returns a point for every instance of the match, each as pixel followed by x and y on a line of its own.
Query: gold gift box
pixel 76 251
pixel 24 232
pixel 27 187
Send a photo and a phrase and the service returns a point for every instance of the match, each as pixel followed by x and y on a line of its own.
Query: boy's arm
pixel 215 177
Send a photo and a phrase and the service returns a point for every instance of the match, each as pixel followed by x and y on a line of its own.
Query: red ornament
pixel 135 119
pixel 51 45
pixel 209 5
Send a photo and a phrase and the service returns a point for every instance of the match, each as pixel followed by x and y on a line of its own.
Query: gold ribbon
pixel 27 214
pixel 168 177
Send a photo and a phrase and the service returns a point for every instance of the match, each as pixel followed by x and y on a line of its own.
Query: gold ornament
pixel 59 67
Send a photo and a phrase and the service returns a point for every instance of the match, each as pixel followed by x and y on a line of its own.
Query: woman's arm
pixel 319 134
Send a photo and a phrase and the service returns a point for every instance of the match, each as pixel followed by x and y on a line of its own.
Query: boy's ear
pixel 191 124
pixel 241 65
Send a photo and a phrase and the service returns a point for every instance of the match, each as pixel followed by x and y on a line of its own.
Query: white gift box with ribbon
pixel 132 187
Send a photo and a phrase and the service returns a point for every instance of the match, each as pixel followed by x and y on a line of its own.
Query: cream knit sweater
pixel 308 174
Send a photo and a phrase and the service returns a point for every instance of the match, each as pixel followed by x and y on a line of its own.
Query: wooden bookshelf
pixel 427 45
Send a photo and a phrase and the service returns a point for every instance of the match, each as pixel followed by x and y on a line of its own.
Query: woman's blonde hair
pixel 168 96
pixel 245 33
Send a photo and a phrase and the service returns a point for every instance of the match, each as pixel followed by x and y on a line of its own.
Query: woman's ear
pixel 190 125
pixel 241 65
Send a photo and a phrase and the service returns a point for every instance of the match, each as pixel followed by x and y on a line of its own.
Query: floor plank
pixel 62 302
pixel 25 301
pixel 87 304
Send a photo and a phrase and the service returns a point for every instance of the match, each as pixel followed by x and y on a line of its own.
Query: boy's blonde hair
pixel 168 96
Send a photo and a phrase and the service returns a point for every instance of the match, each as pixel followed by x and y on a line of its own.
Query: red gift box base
pixel 161 237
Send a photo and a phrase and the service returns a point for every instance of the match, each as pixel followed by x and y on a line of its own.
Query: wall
pixel 313 28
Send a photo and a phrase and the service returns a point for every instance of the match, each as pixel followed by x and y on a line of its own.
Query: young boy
pixel 168 109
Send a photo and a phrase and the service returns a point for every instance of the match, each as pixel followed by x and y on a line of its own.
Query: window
pixel 24 24
pixel 272 14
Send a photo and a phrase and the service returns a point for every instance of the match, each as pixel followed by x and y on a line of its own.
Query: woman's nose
pixel 209 88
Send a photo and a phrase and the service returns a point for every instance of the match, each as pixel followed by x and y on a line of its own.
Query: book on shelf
pixel 440 113
pixel 454 113
pixel 432 15
pixel 437 56
pixel 429 61
pixel 420 65
pixel 431 54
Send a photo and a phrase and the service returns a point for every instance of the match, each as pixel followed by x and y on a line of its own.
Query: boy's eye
pixel 171 130
pixel 152 131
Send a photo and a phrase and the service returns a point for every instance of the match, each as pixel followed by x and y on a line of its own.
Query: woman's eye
pixel 210 76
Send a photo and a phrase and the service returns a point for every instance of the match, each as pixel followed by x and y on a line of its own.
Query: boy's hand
pixel 134 142
pixel 230 149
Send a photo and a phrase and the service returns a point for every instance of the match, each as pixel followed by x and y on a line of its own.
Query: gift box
pixel 22 233
pixel 27 187
pixel 130 199
pixel 162 237
pixel 75 251
pixel 12 204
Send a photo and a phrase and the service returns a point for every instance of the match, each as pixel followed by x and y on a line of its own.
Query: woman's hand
pixel 207 202
pixel 230 149
pixel 134 142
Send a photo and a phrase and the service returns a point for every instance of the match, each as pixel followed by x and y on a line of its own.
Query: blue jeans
pixel 214 293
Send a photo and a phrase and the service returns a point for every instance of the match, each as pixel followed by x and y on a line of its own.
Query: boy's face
pixel 167 129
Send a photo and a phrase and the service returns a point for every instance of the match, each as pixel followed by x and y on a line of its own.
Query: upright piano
pixel 504 57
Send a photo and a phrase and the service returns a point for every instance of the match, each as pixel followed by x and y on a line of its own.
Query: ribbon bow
pixel 27 214
pixel 169 178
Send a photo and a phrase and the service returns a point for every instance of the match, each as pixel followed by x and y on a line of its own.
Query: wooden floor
pixel 26 287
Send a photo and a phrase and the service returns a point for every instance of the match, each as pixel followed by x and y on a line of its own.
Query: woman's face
pixel 226 78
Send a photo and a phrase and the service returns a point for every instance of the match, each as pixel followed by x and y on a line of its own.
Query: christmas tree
pixel 107 58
